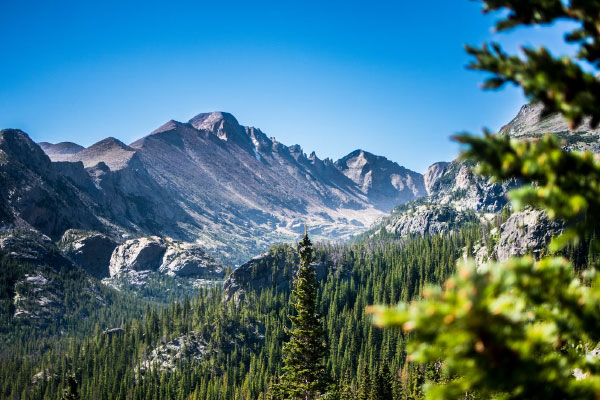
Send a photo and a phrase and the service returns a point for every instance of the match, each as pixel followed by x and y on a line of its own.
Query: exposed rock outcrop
pixel 429 219
pixel 90 250
pixel 32 247
pixel 37 286
pixel 189 259
pixel 271 270
pixel 165 256
pixel 190 347
pixel 462 189
pixel 529 124
pixel 525 232
pixel 433 173
pixel 142 254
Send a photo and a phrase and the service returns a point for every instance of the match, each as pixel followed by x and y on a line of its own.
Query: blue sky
pixel 384 76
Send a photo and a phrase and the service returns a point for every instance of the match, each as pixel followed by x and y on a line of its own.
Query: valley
pixel 119 250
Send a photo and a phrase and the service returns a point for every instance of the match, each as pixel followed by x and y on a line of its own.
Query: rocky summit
pixel 210 181
pixel 456 196
pixel 384 182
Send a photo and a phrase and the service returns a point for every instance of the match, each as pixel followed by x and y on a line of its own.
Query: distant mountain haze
pixel 229 187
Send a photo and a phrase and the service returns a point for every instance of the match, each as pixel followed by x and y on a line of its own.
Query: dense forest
pixel 241 340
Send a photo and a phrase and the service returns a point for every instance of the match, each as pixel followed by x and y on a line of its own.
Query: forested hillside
pixel 210 347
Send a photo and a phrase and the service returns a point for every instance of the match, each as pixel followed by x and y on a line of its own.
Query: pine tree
pixel 304 375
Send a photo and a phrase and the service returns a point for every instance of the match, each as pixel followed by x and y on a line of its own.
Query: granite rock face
pixel 429 219
pixel 166 256
pixel 525 232
pixel 385 183
pixel 460 188
pixel 189 259
pixel 165 357
pixel 90 250
pixel 433 173
pixel 142 254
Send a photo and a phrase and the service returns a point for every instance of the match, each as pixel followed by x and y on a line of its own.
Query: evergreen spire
pixel 304 375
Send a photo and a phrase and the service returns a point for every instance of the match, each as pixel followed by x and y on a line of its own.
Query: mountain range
pixel 457 196
pixel 226 187
pixel 161 216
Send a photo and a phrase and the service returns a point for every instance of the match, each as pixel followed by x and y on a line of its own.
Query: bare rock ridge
pixel 456 196
pixel 63 149
pixel 386 183
pixel 212 181
pixel 34 192
pixel 528 231
pixel 530 123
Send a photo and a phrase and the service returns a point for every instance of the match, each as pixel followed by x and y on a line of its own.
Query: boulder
pixel 166 256
pixel 190 348
pixel 90 250
pixel 141 254
pixel 189 259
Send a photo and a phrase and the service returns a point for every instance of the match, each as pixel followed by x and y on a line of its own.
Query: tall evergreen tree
pixel 304 373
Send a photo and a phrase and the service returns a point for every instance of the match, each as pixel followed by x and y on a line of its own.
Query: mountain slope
pixel 35 193
pixel 458 196
pixel 228 187
pixel 385 183
pixel 234 189
pixel 60 151
pixel 237 183
pixel 530 123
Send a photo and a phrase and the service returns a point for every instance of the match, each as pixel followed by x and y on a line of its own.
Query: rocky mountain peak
pixel 16 145
pixel 60 149
pixel 167 126
pixel 224 126
pixel 110 143
pixel 217 122
pixel 114 153
pixel 385 182
pixel 531 123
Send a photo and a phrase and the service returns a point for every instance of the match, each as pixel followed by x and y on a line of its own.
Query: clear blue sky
pixel 385 76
